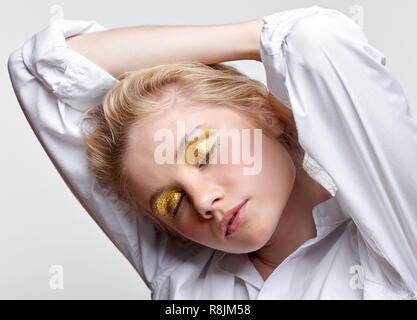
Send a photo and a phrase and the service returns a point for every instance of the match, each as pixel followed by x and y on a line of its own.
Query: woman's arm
pixel 54 86
pixel 354 120
pixel 131 48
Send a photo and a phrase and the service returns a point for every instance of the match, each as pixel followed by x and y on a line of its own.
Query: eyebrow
pixel 179 152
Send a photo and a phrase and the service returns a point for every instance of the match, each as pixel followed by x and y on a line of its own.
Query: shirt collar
pixel 240 266
pixel 327 216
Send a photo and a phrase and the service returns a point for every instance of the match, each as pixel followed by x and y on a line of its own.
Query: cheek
pixel 197 232
pixel 278 170
pixel 272 188
pixel 275 177
pixel 189 225
pixel 272 182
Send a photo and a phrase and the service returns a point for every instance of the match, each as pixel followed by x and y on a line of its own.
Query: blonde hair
pixel 141 93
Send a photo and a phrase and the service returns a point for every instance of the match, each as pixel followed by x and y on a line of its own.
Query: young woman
pixel 221 234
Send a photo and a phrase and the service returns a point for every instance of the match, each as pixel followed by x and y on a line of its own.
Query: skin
pixel 132 48
pixel 280 200
pixel 279 211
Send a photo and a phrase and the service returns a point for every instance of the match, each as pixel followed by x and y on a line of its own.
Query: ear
pixel 275 125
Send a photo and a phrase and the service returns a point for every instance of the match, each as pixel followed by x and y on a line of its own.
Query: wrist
pixel 237 41
pixel 254 34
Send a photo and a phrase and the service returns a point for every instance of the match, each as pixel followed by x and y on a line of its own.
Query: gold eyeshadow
pixel 197 149
pixel 167 202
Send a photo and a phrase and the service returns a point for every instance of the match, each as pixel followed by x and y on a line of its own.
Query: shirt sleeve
pixel 354 120
pixel 54 85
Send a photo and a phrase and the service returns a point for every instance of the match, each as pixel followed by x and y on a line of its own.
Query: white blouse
pixel 353 120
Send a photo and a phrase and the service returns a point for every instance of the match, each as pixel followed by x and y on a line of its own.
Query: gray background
pixel 42 223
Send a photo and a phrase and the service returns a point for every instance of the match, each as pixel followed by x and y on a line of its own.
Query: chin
pixel 258 238
pixel 250 243
pixel 244 249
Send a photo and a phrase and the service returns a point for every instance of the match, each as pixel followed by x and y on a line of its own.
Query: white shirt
pixel 353 119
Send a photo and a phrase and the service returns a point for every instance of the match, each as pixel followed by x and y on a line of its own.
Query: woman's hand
pixel 132 48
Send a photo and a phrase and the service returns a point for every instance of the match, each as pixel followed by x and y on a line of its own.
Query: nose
pixel 206 199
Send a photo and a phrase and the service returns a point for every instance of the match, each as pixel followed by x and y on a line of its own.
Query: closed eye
pixel 177 207
pixel 207 158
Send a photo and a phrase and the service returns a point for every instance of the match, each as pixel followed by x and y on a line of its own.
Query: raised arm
pixel 132 48
pixel 55 84
pixel 354 120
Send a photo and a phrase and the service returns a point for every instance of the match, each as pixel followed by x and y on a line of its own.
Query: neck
pixel 295 227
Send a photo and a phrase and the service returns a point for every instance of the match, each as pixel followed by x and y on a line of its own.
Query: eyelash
pixel 207 156
pixel 175 211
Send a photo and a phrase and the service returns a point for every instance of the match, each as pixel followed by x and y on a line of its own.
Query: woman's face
pixel 211 190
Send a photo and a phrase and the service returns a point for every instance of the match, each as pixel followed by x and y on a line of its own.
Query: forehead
pixel 145 173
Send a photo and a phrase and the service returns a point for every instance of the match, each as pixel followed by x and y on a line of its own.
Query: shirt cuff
pixel 70 76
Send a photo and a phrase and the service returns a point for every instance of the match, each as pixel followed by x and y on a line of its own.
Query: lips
pixel 231 219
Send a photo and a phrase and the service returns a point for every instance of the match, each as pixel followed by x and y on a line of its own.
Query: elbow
pixel 315 37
